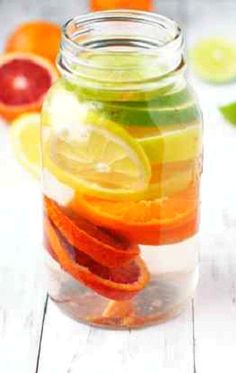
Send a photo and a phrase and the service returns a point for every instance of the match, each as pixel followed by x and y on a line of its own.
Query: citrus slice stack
pixel 120 283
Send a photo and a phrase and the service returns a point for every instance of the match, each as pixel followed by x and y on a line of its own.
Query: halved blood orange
pixel 119 284
pixel 151 222
pixel 24 80
pixel 107 248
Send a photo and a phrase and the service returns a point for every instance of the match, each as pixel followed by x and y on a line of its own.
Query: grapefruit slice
pixel 106 248
pixel 24 80
pixel 151 222
pixel 119 284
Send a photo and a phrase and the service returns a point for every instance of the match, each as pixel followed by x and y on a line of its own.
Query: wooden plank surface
pixel 22 294
pixel 70 347
pixel 215 302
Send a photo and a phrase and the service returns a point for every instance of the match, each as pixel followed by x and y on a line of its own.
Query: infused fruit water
pixel 122 150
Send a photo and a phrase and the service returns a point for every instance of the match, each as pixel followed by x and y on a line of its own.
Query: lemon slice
pixel 25 136
pixel 213 59
pixel 98 157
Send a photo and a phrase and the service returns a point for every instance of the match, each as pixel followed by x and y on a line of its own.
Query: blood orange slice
pixel 119 284
pixel 151 222
pixel 103 246
pixel 24 80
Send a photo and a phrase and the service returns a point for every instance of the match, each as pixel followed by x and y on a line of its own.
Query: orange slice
pixel 158 221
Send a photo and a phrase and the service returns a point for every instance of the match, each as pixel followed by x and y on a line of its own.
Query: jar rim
pixel 135 48
pixel 174 42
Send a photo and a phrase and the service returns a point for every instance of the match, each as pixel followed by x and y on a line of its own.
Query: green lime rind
pixel 229 112
pixel 213 60
pixel 151 116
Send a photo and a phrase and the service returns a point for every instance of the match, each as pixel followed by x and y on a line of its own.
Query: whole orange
pixel 39 37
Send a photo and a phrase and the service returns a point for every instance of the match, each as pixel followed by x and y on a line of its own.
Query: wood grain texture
pixel 22 294
pixel 21 311
pixel 215 302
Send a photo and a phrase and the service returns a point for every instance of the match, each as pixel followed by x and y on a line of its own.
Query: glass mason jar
pixel 122 151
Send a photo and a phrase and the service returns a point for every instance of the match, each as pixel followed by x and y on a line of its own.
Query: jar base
pixel 164 298
pixel 121 323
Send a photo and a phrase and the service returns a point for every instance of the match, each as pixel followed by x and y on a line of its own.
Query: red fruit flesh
pixel 127 274
pixel 22 82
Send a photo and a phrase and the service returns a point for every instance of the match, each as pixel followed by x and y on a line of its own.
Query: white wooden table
pixel 35 337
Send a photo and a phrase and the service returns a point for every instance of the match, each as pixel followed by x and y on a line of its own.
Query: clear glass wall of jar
pixel 122 150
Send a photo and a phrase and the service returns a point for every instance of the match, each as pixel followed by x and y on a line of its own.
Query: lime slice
pixel 214 59
pixel 167 109
pixel 173 146
pixel 147 115
pixel 229 112
pixel 98 158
